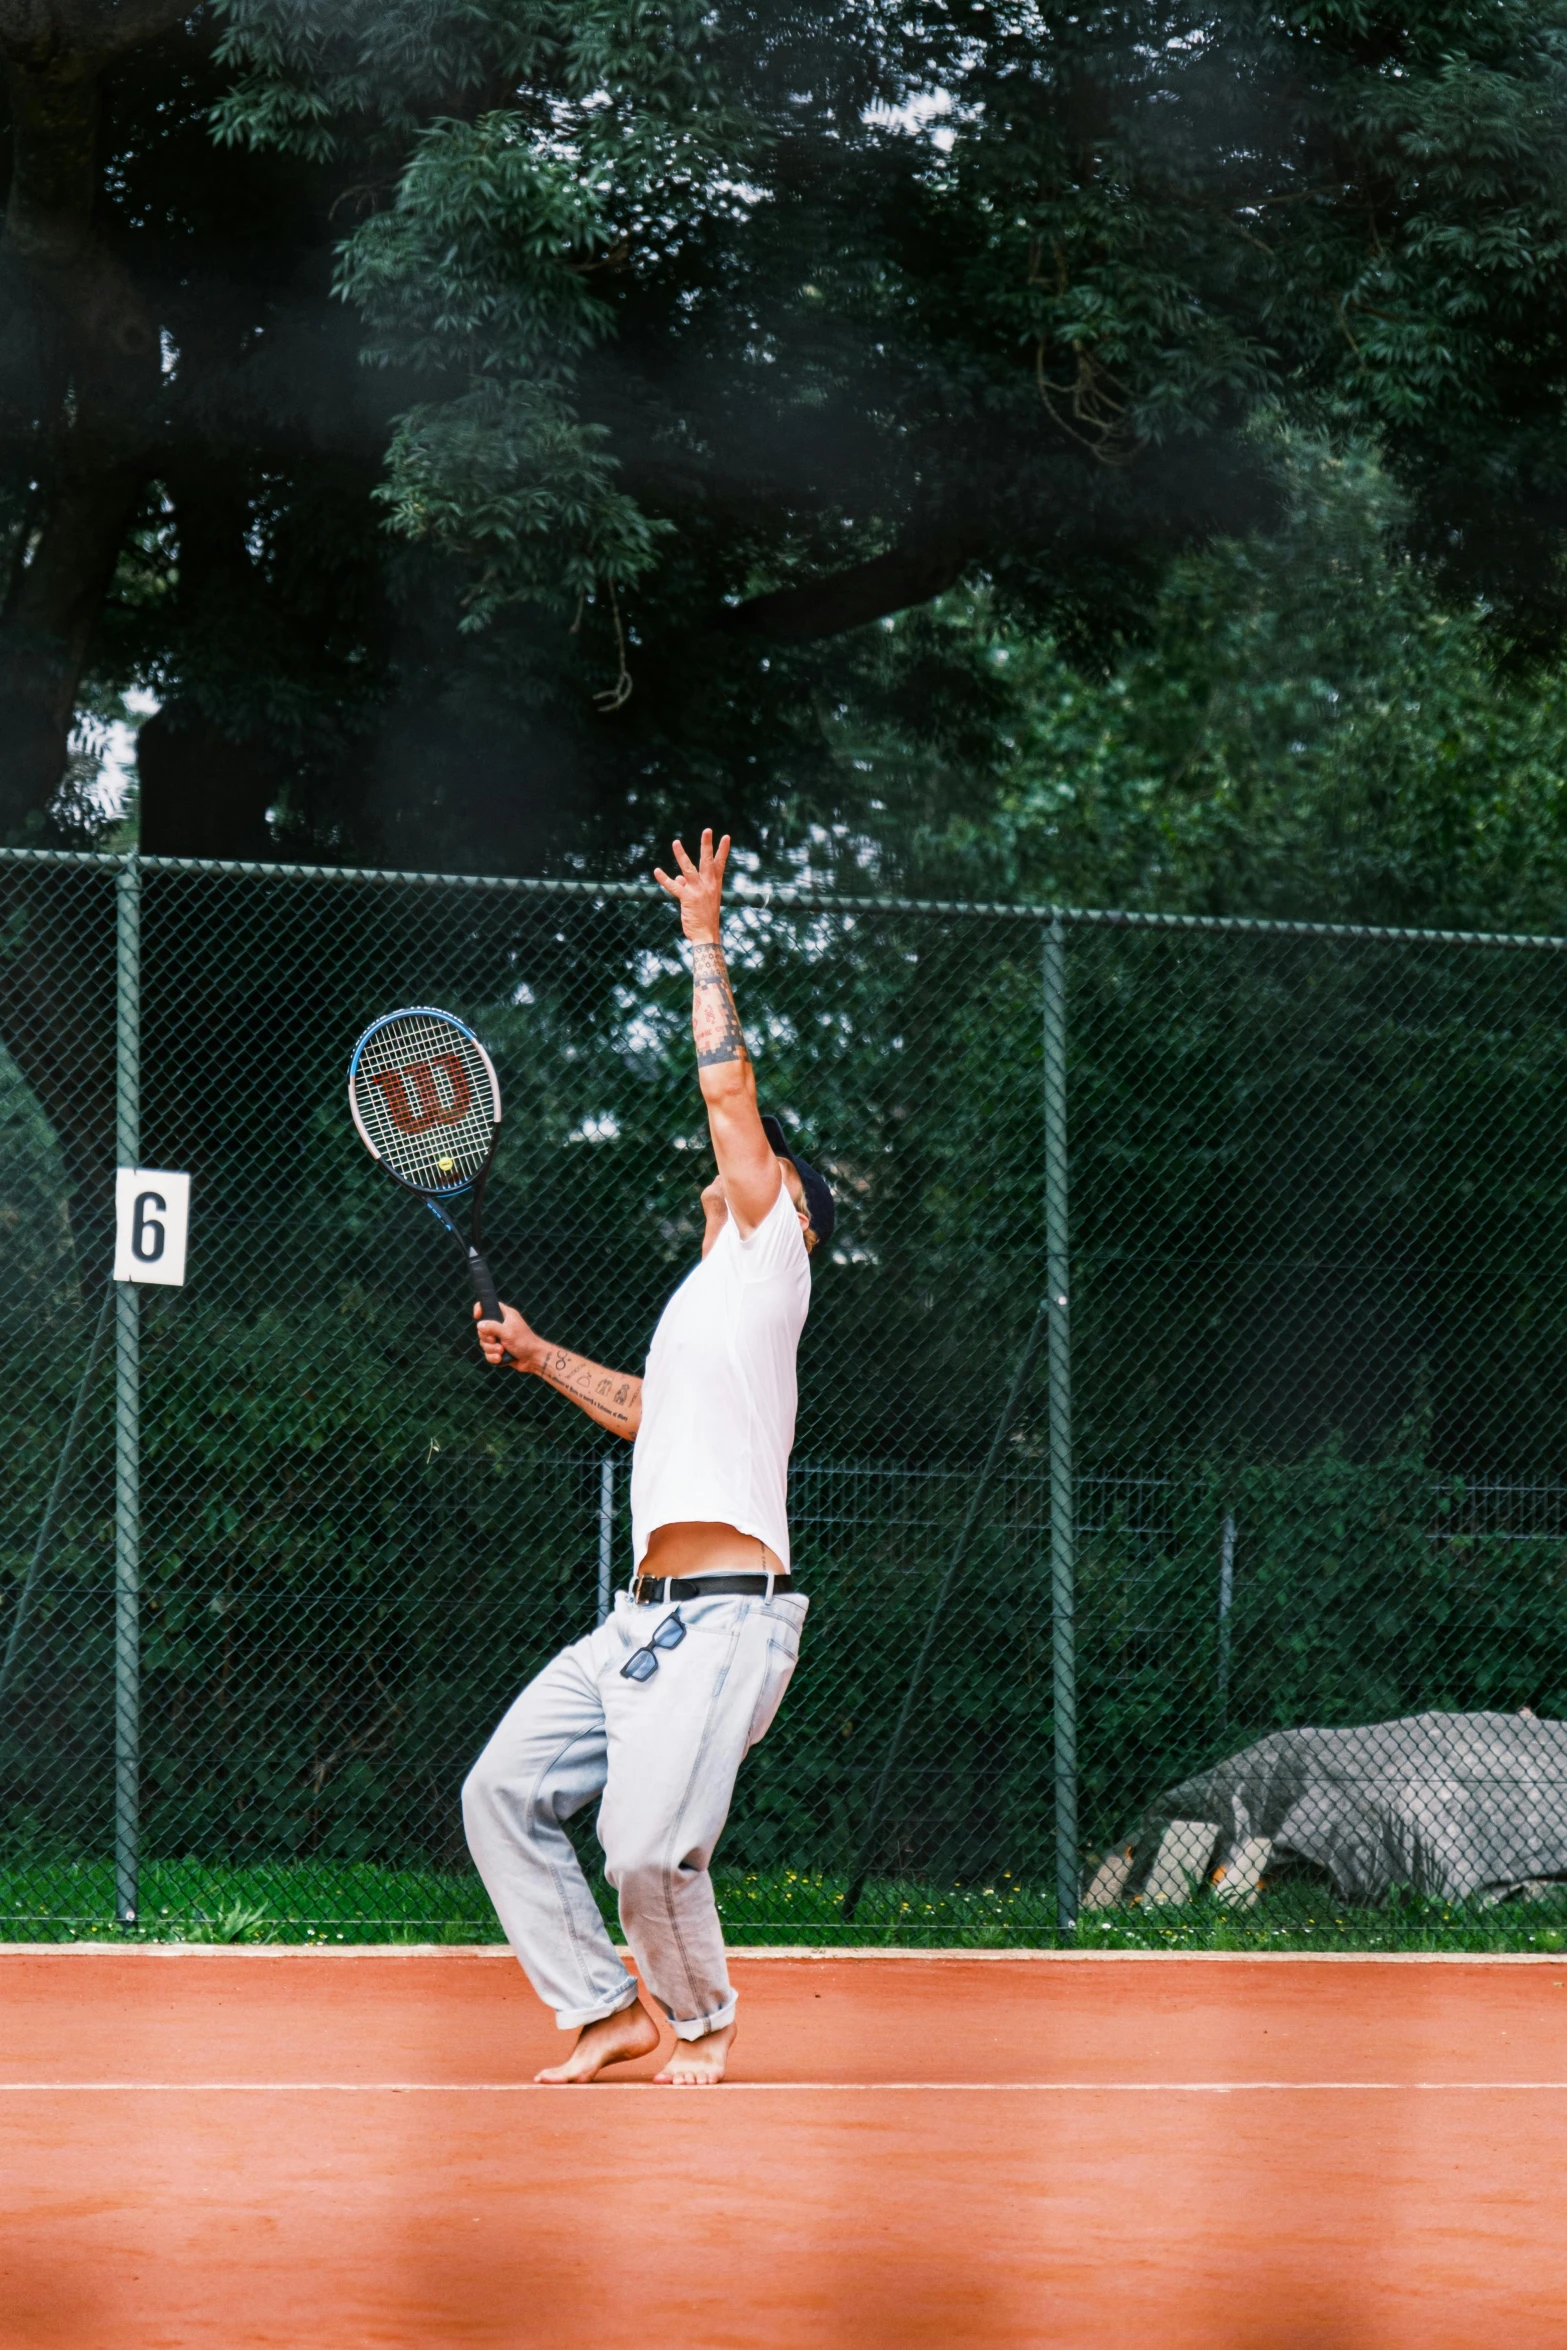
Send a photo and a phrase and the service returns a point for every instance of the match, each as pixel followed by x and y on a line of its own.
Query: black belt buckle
pixel 679 1588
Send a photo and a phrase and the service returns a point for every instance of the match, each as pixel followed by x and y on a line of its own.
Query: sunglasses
pixel 642 1663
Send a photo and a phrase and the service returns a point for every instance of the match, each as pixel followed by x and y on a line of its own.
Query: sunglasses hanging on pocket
pixel 642 1663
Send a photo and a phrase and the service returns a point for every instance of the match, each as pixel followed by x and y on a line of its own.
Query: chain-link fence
pixel 1190 1366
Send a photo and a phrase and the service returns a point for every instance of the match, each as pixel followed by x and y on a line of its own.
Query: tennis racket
pixel 426 1101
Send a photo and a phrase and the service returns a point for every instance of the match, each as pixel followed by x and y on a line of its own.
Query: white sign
pixel 151 1219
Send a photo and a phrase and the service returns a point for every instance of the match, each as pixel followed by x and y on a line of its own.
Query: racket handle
pixel 484 1286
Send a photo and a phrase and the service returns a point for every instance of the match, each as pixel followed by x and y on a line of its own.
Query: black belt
pixel 654 1590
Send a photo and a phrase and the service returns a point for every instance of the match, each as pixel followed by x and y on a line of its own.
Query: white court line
pixel 776 2088
pixel 893 1954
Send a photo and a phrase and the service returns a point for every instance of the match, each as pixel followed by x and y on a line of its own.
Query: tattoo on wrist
pixel 714 1019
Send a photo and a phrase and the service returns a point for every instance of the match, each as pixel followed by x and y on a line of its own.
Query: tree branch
pixel 910 574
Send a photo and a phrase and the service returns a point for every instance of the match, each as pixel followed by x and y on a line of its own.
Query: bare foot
pixel 698 2064
pixel 614 2039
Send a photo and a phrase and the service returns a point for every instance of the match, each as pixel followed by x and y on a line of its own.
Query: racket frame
pixel 433 1196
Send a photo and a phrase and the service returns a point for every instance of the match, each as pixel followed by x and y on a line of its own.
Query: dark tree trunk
pixel 202 794
pixel 205 785
pixel 93 341
pixel 49 618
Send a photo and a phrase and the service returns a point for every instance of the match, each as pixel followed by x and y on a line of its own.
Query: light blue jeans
pixel 663 1753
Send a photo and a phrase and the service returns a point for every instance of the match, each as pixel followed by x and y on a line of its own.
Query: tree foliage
pixel 700 341
pixel 1306 726
pixel 1035 335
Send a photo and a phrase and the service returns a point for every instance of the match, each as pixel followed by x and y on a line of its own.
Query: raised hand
pixel 698 889
pixel 748 1172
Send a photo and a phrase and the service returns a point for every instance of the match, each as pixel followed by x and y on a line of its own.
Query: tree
pixel 174 373
pixel 1032 342
pixel 1307 729
pixel 701 341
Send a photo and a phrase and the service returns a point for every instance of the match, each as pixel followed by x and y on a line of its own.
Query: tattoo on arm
pixel 714 1020
pixel 608 1395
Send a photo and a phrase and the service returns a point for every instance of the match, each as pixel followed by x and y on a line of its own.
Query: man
pixel 656 1710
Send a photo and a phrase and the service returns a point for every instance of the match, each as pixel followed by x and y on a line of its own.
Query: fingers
pixel 711 868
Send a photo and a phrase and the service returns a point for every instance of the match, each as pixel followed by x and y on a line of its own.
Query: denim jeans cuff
pixel 572 2019
pixel 697 2026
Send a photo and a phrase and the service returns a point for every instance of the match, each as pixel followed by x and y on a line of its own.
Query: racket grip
pixel 484 1286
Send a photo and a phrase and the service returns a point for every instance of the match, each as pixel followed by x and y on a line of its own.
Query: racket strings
pixel 426 1101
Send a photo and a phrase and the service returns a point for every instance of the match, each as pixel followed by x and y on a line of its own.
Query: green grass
pixel 1308 1917
pixel 190 1901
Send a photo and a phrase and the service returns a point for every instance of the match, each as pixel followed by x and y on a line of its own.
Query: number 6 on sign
pixel 151 1220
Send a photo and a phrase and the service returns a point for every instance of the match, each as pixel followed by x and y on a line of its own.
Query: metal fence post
pixel 1063 1537
pixel 127 1417
pixel 1226 1600
pixel 606 1537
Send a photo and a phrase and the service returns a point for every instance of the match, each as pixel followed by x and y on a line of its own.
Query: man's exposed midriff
pixel 700 1547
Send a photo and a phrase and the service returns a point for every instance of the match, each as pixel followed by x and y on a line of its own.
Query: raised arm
pixel 746 1165
pixel 613 1398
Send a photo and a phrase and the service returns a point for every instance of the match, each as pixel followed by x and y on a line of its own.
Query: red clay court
pixel 303 2148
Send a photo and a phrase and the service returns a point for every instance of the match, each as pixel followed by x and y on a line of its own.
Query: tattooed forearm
pixel 613 1398
pixel 714 1021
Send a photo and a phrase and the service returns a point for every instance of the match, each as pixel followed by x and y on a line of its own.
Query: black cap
pixel 820 1205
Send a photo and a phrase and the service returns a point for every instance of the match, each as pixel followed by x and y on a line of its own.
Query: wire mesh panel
pixel 357 1542
pixel 1320 1298
pixel 1282 1428
pixel 56 1458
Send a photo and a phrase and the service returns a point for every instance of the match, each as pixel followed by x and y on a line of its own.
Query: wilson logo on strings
pixel 427 1109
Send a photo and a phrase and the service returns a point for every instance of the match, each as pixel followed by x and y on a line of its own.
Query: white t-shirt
pixel 719 1394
